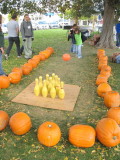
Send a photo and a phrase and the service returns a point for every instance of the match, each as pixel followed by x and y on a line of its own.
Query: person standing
pixel 118 34
pixel 1 47
pixel 27 36
pixel 71 36
pixel 78 44
pixel 13 36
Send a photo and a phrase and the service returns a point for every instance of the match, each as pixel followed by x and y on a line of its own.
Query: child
pixel 1 47
pixel 78 44
pixel 71 36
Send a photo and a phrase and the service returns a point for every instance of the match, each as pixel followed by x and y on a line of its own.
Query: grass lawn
pixel 89 108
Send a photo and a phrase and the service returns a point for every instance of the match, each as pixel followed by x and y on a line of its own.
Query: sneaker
pixel 19 56
pixel 6 56
pixel 79 56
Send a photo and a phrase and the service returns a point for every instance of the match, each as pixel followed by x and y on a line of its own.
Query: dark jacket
pixel 1 39
pixel 71 36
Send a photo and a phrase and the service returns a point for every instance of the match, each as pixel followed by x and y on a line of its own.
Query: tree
pixel 106 37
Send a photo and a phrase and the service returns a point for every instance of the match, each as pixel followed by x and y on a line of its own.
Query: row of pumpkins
pixel 49 134
pixel 15 76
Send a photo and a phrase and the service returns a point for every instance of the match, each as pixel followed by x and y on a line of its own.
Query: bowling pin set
pixel 51 86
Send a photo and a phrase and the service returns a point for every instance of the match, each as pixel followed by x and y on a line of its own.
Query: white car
pixel 53 25
pixel 4 28
pixel 42 25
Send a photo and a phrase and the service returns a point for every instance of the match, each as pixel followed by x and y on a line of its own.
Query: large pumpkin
pixel 112 99
pixel 114 113
pixel 28 65
pixel 33 63
pixel 108 132
pixel 101 79
pixel 82 135
pixel 4 82
pixel 106 68
pixel 26 70
pixel 49 134
pixel 20 123
pixel 4 119
pixel 14 77
pixel 19 70
pixel 103 88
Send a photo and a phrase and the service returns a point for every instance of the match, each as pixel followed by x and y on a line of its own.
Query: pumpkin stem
pixel 49 125
pixel 114 137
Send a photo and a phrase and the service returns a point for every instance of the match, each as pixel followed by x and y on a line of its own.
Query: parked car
pixel 34 26
pixel 42 25
pixel 53 25
pixel 4 28
pixel 63 23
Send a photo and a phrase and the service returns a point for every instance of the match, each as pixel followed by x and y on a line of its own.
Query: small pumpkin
pixel 108 132
pixel 105 73
pixel 100 52
pixel 112 99
pixel 4 119
pixel 4 82
pixel 14 77
pixel 103 88
pixel 103 58
pixel 42 57
pixel 82 135
pixel 101 64
pixel 51 49
pixel 114 113
pixel 49 134
pixel 20 123
pixel 36 57
pixel 66 57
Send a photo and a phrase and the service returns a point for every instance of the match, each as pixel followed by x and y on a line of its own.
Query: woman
pixel 1 47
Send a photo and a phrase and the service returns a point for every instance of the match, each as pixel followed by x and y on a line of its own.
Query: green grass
pixel 89 108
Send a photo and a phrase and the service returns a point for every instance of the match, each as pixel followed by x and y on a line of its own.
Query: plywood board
pixel 71 94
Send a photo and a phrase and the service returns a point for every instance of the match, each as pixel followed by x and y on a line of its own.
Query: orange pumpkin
pixel 103 88
pixel 14 77
pixel 100 52
pixel 19 70
pixel 20 123
pixel 112 99
pixel 4 82
pixel 66 57
pixel 51 49
pixel 33 63
pixel 100 80
pixel 114 113
pixel 36 57
pixel 105 73
pixel 49 134
pixel 28 65
pixel 106 68
pixel 101 64
pixel 103 58
pixel 4 119
pixel 108 132
pixel 26 70
pixel 42 57
pixel 82 135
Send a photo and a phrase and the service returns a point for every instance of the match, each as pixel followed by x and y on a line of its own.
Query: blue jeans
pixel 118 39
pixel 78 51
pixel 73 48
pixel 1 70
pixel 118 59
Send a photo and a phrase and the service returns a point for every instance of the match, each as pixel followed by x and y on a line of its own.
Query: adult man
pixel 27 36
pixel 118 34
pixel 13 34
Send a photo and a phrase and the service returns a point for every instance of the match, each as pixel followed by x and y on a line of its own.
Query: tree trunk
pixel 106 37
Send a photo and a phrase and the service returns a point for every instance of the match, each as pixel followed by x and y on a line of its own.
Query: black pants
pixel 11 42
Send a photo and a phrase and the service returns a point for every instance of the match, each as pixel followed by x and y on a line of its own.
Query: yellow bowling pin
pixel 36 88
pixel 47 79
pixel 61 91
pixel 44 89
pixel 50 84
pixel 53 92
pixel 40 84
